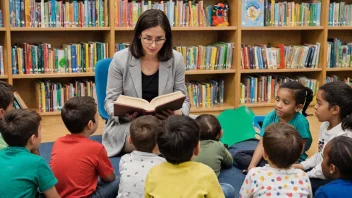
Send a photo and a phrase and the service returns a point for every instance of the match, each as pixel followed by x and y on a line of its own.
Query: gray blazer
pixel 125 77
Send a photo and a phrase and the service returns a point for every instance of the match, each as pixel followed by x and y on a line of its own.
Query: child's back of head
pixel 210 127
pixel 78 112
pixel 19 125
pixel 282 144
pixel 7 98
pixel 177 138
pixel 143 133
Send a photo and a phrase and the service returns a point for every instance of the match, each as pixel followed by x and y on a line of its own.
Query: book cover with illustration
pixel 252 13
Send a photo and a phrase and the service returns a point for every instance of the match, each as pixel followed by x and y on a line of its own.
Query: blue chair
pixel 258 122
pixel 101 78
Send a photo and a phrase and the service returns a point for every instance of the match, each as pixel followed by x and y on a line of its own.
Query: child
pixel 212 152
pixel 6 104
pixel 282 147
pixel 178 142
pixel 135 166
pixel 333 108
pixel 337 166
pixel 290 99
pixel 22 173
pixel 76 160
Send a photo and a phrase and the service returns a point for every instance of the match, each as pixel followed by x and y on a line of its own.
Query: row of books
pixel 43 58
pixel 217 56
pixel 180 13
pixel 51 96
pixel 205 94
pixel 58 13
pixel 335 78
pixel 2 66
pixel 339 53
pixel 263 89
pixel 340 14
pixel 269 13
pixel 1 21
pixel 279 56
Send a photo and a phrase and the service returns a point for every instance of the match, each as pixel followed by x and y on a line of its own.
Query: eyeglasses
pixel 150 41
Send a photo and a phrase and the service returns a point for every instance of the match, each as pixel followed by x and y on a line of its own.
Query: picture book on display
pixel 126 104
pixel 252 13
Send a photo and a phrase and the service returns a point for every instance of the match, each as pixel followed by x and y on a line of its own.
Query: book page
pixel 163 99
pixel 133 102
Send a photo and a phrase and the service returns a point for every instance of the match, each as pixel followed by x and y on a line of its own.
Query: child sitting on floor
pixel 337 166
pixel 22 173
pixel 212 152
pixel 134 167
pixel 178 142
pixel 282 147
pixel 76 160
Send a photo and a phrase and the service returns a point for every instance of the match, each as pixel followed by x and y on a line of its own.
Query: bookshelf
pixel 188 36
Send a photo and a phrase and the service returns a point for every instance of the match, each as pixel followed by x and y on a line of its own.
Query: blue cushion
pixel 101 77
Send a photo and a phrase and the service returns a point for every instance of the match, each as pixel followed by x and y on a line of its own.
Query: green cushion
pixel 237 125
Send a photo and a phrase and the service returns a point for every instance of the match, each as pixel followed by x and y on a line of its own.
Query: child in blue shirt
pixel 291 98
pixel 22 173
pixel 337 166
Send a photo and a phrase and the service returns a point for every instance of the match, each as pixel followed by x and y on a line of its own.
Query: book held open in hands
pixel 126 104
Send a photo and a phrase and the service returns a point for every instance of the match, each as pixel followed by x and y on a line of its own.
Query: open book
pixel 126 104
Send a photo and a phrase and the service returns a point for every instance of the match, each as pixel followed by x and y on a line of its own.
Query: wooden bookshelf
pixel 215 108
pixel 199 72
pixel 186 28
pixel 24 29
pixel 3 76
pixel 54 75
pixel 268 28
pixel 2 29
pixel 339 27
pixel 339 69
pixel 248 71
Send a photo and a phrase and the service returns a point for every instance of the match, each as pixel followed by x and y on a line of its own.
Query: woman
pixel 148 68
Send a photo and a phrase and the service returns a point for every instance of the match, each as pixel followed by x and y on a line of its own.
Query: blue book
pixel 252 13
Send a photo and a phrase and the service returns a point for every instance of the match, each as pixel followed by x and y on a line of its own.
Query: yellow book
pixel 195 15
pixel 134 12
pixel 67 9
pixel 213 57
pixel 19 61
pixel 208 94
pixel 27 13
pixel 176 13
pixel 87 56
pixel 42 91
pixel 272 18
pixel 190 5
pixel 94 54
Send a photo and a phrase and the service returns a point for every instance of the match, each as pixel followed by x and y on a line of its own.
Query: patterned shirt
pixel 272 182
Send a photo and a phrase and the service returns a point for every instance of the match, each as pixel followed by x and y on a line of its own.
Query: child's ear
pixel 265 156
pixel 32 140
pixel 129 139
pixel 298 108
pixel 333 169
pixel 90 124
pixel 335 110
pixel 2 112
pixel 197 149
pixel 220 134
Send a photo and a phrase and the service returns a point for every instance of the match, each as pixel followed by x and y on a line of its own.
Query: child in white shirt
pixel 134 167
pixel 333 108
pixel 282 147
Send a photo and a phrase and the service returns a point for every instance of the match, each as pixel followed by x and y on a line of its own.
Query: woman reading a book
pixel 147 69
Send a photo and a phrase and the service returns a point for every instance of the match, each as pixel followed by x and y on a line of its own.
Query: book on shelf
pixel 291 13
pixel 179 13
pixel 263 88
pixel 121 46
pixel 206 94
pixel 61 13
pixel 126 104
pixel 2 66
pixel 334 78
pixel 252 13
pixel 18 101
pixel 339 53
pixel 51 96
pixel 340 14
pixel 279 56
pixel 1 21
pixel 42 58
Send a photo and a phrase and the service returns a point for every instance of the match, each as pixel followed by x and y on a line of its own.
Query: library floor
pixel 53 127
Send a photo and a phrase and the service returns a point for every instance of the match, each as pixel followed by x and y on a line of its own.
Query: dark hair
pixel 177 137
pixel 6 94
pixel 143 133
pixel 302 95
pixel 209 126
pixel 18 125
pixel 339 94
pixel 149 19
pixel 77 112
pixel 283 144
pixel 341 155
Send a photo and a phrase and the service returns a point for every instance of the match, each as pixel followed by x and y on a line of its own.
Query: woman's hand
pixel 165 114
pixel 132 116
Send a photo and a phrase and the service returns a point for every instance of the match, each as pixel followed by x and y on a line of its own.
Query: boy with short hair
pixel 212 152
pixel 134 166
pixel 6 104
pixel 178 142
pixel 22 173
pixel 76 160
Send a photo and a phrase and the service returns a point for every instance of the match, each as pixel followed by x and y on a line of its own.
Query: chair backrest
pixel 237 125
pixel 258 122
pixel 101 77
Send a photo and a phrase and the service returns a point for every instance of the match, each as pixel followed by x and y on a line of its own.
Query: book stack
pixel 279 56
pixel 217 56
pixel 340 14
pixel 43 58
pixel 51 96
pixel 179 13
pixel 339 53
pixel 121 46
pixel 205 94
pixel 56 13
pixel 335 78
pixel 263 89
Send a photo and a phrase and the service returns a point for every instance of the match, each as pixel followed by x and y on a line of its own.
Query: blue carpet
pixel 232 176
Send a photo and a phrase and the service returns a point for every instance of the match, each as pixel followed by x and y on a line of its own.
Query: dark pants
pixel 316 183
pixel 242 159
pixel 106 190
